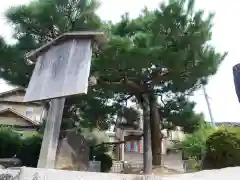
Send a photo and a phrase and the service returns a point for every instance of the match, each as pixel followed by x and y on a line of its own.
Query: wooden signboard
pixel 62 67
pixel 61 70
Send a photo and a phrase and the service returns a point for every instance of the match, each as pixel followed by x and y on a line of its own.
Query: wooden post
pixel 51 134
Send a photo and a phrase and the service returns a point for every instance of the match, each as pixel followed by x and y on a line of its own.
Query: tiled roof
pixel 18 114
pixel 229 123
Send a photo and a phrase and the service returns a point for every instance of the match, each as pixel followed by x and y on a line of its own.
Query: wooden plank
pixel 98 37
pixel 61 71
pixel 51 134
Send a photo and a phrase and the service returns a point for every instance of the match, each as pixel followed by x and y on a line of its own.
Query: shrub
pixel 194 144
pixel 223 149
pixel 10 142
pixel 106 162
pixel 30 150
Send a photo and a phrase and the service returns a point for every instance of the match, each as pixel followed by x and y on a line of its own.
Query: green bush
pixel 106 162
pixel 194 144
pixel 223 149
pixel 30 150
pixel 10 142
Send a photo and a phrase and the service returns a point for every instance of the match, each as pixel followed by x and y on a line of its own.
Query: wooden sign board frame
pixel 62 67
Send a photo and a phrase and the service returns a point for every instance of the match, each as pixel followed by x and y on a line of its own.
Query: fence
pixel 94 166
pixel 118 166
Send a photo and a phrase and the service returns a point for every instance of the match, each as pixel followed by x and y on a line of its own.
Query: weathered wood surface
pixel 61 71
pixel 51 134
pixel 97 37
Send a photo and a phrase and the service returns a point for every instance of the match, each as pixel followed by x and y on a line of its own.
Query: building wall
pixel 18 97
pixel 31 111
pixel 11 121
pixel 137 146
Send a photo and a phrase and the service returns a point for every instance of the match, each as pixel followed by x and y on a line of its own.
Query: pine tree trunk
pixel 147 153
pixel 156 135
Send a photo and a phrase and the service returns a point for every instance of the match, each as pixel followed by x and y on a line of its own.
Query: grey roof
pixel 229 123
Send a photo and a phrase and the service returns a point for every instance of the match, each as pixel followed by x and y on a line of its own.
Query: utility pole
pixel 208 105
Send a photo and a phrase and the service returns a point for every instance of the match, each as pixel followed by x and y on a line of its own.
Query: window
pixel 29 111
pixel 133 146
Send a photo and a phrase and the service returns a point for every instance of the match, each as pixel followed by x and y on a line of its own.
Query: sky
pixel 221 92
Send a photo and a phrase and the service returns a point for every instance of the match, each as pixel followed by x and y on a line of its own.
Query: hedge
pixel 30 150
pixel 10 142
pixel 106 162
pixel 13 144
pixel 223 149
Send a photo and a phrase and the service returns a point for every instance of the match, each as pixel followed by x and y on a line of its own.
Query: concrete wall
pixel 31 173
pixel 36 173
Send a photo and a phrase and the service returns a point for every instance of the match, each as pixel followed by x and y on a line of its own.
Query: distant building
pixel 132 149
pixel 25 117
pixel 227 123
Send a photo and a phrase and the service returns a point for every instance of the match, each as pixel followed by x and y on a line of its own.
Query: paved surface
pixel 35 173
pixel 173 161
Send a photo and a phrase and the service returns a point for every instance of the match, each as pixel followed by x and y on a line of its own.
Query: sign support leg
pixel 51 134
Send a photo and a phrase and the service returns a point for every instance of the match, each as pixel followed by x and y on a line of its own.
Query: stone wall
pixel 72 152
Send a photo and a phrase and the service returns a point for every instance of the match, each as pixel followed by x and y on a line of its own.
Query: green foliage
pixel 66 124
pixel 30 150
pixel 92 110
pixel 10 142
pixel 180 112
pixel 106 162
pixel 223 149
pixel 194 144
pixel 95 139
pixel 164 52
pixel 167 42
pixel 37 23
pixel 26 149
pixel 94 136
